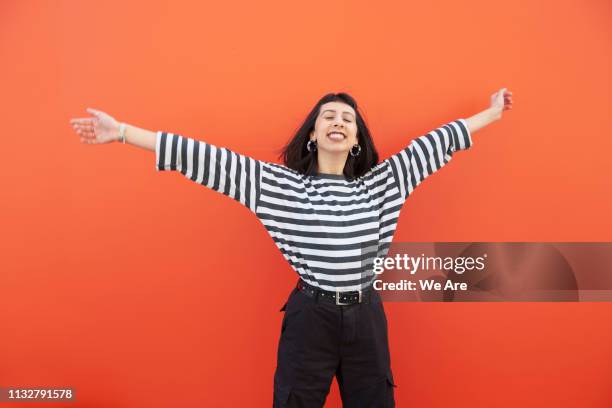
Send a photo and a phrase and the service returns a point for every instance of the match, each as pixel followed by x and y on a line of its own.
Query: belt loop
pixel 317 292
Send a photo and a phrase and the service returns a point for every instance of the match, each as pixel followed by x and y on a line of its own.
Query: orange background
pixel 143 289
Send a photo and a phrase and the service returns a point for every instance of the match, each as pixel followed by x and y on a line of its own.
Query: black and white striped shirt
pixel 328 228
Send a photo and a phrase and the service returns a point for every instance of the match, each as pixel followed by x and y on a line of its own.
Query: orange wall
pixel 111 271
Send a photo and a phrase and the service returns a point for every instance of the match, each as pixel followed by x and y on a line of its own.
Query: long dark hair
pixel 297 157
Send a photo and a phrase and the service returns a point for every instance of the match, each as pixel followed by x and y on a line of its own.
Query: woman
pixel 330 209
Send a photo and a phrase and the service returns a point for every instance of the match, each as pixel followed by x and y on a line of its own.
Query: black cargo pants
pixel 319 340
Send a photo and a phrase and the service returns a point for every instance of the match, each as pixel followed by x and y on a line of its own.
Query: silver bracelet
pixel 122 132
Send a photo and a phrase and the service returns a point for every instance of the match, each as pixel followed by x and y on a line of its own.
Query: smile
pixel 336 136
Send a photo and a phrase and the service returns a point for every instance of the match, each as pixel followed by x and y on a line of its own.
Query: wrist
pixel 494 113
pixel 121 133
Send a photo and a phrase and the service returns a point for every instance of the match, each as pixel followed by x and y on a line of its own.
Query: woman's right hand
pixel 101 128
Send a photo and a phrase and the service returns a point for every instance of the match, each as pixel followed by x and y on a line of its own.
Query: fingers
pixel 507 98
pixel 504 92
pixel 86 140
pixel 87 135
pixel 85 131
pixel 84 127
pixel 88 126
pixel 83 121
pixel 502 99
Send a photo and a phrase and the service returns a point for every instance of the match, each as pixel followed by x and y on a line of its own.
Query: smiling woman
pixel 330 209
pixel 335 135
pixel 351 154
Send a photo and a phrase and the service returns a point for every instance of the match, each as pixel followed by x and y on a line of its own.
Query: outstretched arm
pixel 232 174
pixel 103 128
pixel 428 153
pixel 500 101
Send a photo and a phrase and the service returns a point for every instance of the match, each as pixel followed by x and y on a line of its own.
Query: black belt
pixel 339 298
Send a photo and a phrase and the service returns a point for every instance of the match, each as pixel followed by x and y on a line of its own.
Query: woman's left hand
pixel 501 101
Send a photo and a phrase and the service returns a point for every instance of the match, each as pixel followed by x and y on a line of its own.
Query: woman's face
pixel 335 129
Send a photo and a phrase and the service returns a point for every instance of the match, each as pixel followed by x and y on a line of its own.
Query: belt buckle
pixel 345 304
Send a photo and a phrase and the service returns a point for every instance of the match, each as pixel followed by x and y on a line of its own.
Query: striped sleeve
pixel 235 175
pixel 427 154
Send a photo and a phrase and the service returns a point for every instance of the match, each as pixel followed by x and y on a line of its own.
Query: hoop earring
pixel 355 154
pixel 311 146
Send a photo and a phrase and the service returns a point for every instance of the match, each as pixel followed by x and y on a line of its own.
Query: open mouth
pixel 337 136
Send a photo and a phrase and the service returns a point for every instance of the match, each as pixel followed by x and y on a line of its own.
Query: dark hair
pixel 297 157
